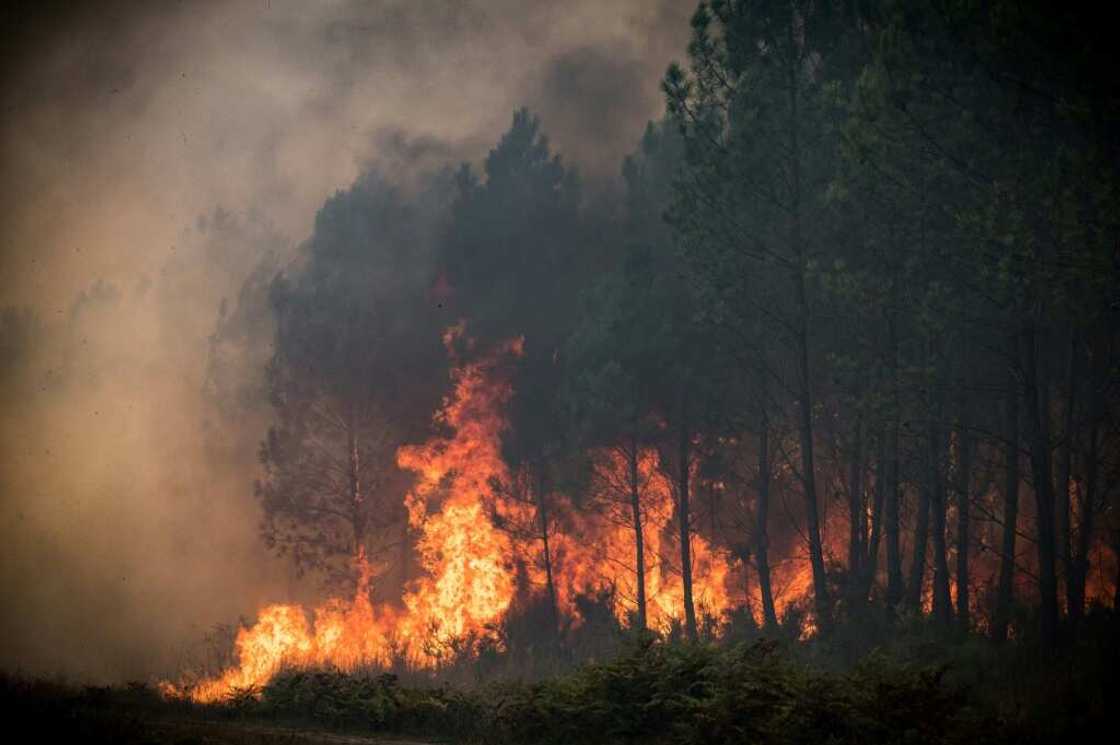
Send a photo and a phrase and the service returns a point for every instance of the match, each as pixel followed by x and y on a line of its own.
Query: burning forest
pixel 767 395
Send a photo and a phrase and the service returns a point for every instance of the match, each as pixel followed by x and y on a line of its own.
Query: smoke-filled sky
pixel 151 155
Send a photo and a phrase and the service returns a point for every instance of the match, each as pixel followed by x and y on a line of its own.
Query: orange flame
pixel 343 634
pixel 468 581
pixel 603 557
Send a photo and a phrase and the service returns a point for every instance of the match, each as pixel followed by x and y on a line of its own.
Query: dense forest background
pixel 851 308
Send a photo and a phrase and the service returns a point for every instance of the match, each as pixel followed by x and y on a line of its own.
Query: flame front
pixel 473 569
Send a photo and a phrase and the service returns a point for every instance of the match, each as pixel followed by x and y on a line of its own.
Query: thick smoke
pixel 161 163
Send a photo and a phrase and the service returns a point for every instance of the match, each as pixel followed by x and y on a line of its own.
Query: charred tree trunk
pixel 639 538
pixel 1005 592
pixel 1037 412
pixel 762 532
pixel 684 453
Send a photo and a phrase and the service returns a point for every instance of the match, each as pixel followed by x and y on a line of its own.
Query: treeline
pixel 867 261
pixel 920 198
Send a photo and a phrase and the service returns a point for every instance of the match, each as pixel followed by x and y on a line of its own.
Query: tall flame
pixel 468 579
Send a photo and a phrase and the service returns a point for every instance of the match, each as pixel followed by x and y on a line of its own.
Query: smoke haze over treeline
pixel 156 155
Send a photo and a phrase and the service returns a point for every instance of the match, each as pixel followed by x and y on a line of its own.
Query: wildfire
pixel 471 569
pixel 599 554
pixel 474 566
pixel 468 580
pixel 343 634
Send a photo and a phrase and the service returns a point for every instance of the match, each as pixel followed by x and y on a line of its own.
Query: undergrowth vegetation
pixel 922 687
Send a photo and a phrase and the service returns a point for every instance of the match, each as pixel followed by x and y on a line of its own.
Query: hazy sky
pixel 124 531
pixel 122 124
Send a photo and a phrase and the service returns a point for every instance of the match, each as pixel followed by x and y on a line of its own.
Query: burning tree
pixel 744 109
pixel 641 316
pixel 713 353
pixel 513 254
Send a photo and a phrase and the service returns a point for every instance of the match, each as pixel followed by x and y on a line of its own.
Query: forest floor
pixel 216 732
pixel 58 712
pixel 920 687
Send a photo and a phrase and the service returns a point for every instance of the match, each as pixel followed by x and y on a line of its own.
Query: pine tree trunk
pixel 964 506
pixel 805 388
pixel 918 563
pixel 639 538
pixel 762 533
pixel 1037 414
pixel 685 527
pixel 871 558
pixel 1080 565
pixel 942 602
pixel 1005 592
pixel 1062 482
pixel 1087 504
pixel 808 478
pixel 857 517
pixel 542 518
pixel 891 495
pixel 353 473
